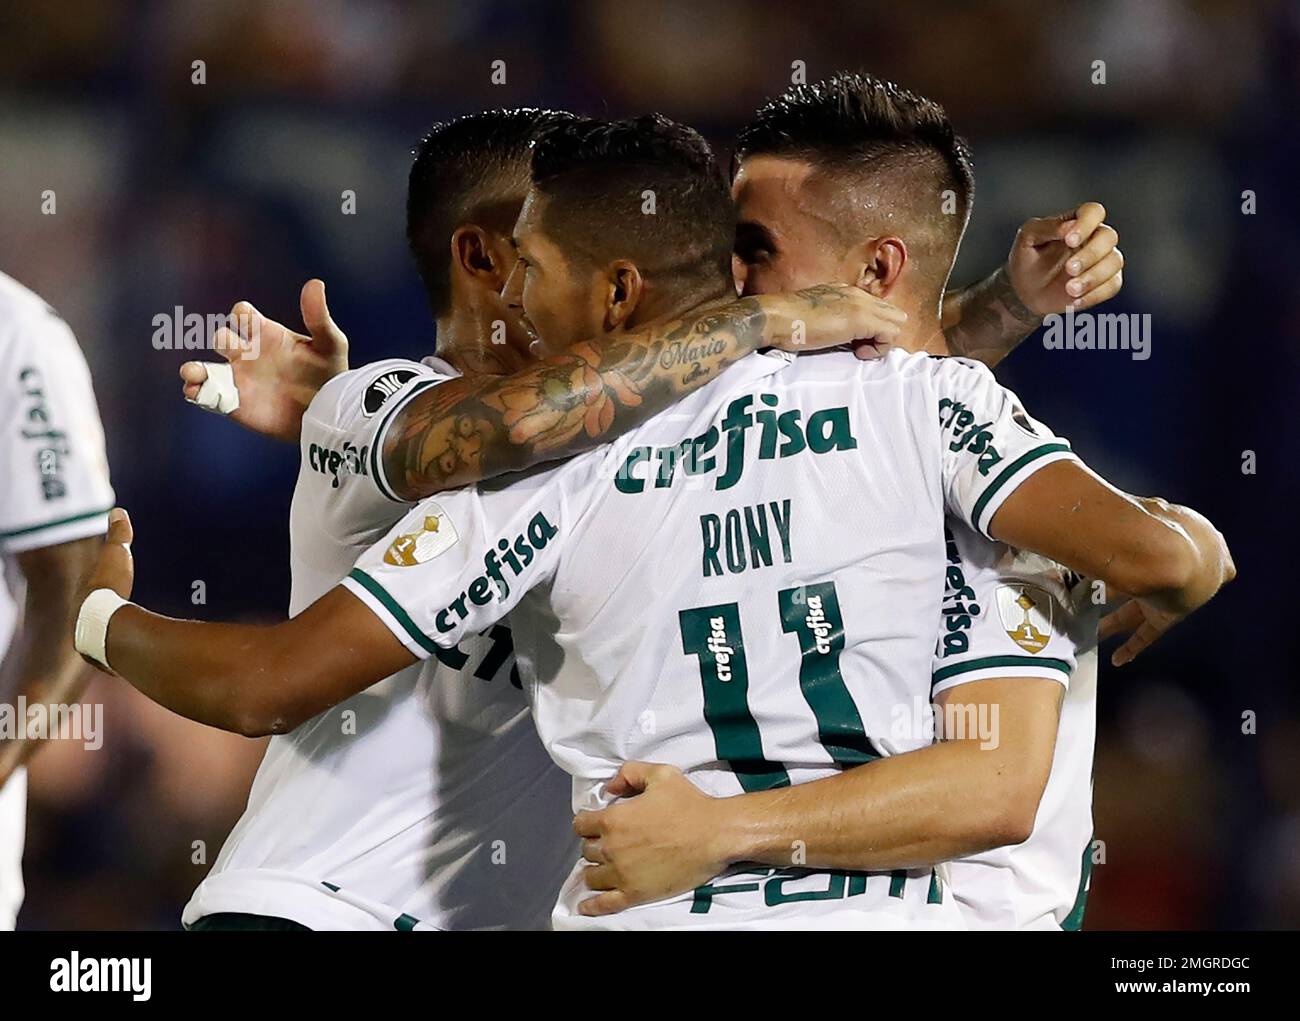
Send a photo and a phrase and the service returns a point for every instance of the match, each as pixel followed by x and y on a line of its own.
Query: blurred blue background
pixel 173 193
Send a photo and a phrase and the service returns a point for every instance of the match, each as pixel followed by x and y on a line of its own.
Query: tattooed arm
pixel 1068 260
pixel 479 427
pixel 987 321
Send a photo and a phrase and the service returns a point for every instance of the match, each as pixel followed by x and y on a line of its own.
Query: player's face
pixel 518 334
pixel 558 299
pixel 784 242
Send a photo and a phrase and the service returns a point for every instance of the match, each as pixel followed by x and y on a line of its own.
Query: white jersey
pixel 1008 613
pixel 746 586
pixel 55 490
pixel 426 801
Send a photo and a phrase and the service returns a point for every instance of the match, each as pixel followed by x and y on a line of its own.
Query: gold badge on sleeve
pixel 435 536
pixel 1026 613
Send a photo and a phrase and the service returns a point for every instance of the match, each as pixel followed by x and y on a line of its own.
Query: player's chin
pixel 537 347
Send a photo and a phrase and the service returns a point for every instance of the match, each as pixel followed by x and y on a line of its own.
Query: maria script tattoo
pixel 475 428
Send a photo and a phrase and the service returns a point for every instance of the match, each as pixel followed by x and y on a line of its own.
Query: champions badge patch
pixel 434 538
pixel 378 392
pixel 1026 614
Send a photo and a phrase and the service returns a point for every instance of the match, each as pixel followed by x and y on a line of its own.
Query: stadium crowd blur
pixel 171 193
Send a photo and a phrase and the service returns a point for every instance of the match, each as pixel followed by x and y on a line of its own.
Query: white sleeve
pixel 1005 614
pixel 341 476
pixel 52 461
pixel 459 562
pixel 352 413
pixel 990 445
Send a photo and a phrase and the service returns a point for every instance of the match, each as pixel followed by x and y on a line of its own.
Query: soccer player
pixel 458 225
pixel 845 180
pixel 53 507
pixel 631 570
pixel 427 801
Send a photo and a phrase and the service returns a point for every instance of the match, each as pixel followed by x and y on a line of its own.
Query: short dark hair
pixel 600 178
pixel 857 123
pixel 473 169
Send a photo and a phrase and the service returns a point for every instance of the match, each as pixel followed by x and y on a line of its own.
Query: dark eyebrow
pixel 754 235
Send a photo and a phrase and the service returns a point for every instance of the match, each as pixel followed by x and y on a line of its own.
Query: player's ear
pixel 476 253
pixel 881 265
pixel 625 290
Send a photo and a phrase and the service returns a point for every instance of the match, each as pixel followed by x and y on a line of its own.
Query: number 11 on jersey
pixel 812 614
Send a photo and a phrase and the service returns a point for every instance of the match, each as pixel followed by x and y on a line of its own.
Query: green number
pixel 503 644
pixel 812 612
pixel 713 634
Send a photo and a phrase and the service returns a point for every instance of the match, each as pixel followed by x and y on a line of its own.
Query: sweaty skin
pixel 665 836
pixel 472 428
pixel 1070 259
pixel 259 680
pixel 450 438
pixel 953 798
pixel 786 237
pixel 267 679
pixel 482 425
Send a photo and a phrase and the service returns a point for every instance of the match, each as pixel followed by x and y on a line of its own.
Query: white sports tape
pixel 91 635
pixel 218 392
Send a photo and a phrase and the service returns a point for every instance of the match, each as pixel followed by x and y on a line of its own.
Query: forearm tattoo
pixel 991 322
pixel 476 428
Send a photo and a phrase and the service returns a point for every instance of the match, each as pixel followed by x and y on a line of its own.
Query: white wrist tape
pixel 92 624
pixel 218 392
